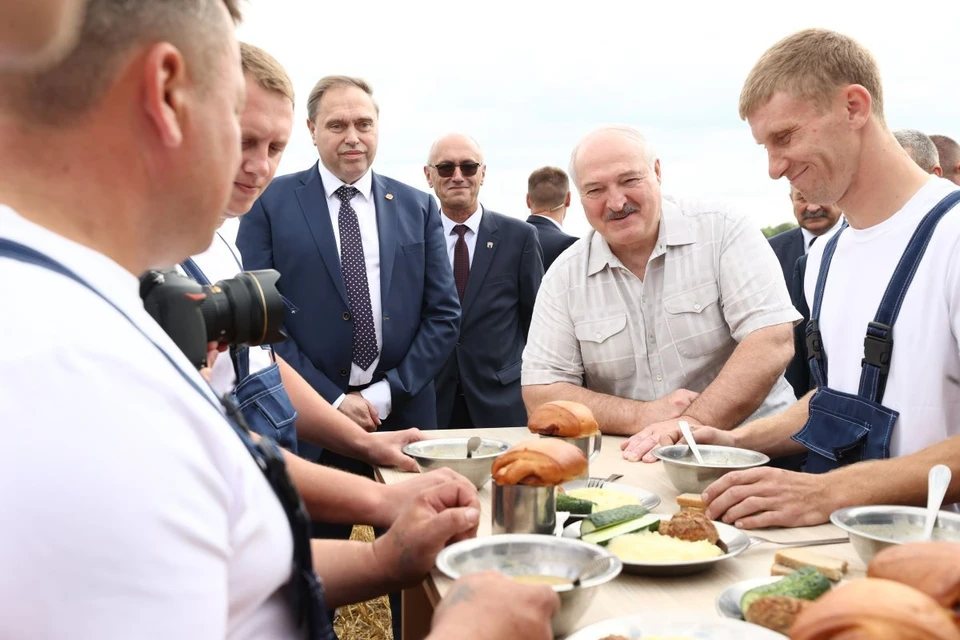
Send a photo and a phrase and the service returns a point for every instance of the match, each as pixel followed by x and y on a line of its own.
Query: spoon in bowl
pixel 937 483
pixel 472 445
pixel 688 436
pixel 593 567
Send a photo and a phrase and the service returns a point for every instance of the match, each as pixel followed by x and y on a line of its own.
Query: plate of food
pixel 659 545
pixel 580 500
pixel 678 626
pixel 774 602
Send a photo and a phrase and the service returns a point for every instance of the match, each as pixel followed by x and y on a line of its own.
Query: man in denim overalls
pixel 884 295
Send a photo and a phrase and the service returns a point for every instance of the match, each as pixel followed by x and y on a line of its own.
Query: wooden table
pixel 626 594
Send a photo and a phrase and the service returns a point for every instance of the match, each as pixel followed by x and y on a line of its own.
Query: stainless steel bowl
pixel 452 454
pixel 529 554
pixel 689 476
pixel 874 528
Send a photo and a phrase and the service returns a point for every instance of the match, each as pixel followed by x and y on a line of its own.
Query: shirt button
pixel 659 378
pixel 599 336
pixel 346 315
pixel 343 373
pixel 696 307
pixel 651 339
pixel 643 298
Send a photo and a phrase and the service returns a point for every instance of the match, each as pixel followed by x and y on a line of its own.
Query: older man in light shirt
pixel 668 310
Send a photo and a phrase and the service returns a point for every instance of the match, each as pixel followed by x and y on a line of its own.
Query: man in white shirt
pixel 124 478
pixel 886 409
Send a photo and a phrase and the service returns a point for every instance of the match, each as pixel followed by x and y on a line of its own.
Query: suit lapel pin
pixel 389 196
pixel 489 245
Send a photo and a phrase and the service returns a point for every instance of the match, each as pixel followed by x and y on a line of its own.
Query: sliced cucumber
pixel 601 536
pixel 610 517
pixel 574 505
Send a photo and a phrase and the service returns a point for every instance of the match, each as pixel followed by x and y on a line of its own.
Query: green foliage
pixel 769 232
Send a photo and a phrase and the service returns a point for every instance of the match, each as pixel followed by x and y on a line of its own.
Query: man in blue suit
pixel 497 267
pixel 548 196
pixel 791 248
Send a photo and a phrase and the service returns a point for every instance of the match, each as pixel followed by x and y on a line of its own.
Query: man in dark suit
pixel 790 246
pixel 548 196
pixel 497 268
pixel 363 261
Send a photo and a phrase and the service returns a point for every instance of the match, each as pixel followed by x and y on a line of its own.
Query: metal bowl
pixel 689 476
pixel 874 528
pixel 530 554
pixel 452 454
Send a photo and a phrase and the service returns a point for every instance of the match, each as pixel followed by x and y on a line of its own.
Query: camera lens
pixel 246 309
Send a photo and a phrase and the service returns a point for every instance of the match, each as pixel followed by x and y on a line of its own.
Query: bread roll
pixel 876 609
pixel 564 419
pixel 930 567
pixel 540 463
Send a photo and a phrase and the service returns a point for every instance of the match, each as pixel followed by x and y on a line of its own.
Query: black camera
pixel 245 310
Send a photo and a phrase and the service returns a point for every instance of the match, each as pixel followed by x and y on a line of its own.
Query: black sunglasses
pixel 447 169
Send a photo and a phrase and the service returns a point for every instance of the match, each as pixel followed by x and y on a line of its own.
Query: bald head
pixel 455 172
pixel 597 141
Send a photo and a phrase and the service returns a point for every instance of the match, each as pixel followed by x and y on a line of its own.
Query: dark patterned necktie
pixel 354 269
pixel 461 260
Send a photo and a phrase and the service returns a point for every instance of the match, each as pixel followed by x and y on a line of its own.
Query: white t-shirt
pixel 926 335
pixel 130 508
pixel 220 262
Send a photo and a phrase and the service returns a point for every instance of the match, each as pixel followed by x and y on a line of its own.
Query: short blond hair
pixel 327 83
pixel 266 71
pixel 812 65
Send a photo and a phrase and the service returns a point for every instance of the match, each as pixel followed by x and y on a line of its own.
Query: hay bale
pixel 364 620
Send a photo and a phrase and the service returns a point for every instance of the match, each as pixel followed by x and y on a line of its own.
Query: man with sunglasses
pixel 497 268
pixel 548 197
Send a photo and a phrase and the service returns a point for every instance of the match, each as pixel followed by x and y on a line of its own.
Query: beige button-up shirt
pixel 711 280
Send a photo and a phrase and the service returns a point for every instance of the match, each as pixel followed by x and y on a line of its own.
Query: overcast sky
pixel 528 79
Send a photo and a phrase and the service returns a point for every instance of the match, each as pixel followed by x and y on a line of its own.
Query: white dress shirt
pixel 470 237
pixel 122 480
pixel 379 393
pixel 221 262
pixel 823 237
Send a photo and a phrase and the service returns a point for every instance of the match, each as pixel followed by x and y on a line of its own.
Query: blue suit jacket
pixel 789 249
pixel 504 278
pixel 289 229
pixel 553 241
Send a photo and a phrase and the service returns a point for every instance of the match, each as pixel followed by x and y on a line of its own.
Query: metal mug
pixel 519 508
pixel 589 445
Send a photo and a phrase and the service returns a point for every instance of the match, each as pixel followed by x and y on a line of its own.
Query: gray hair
pixel 111 29
pixel 624 131
pixel 949 152
pixel 920 147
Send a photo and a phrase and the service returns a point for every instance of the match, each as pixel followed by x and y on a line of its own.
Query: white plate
pixel 646 499
pixel 737 542
pixel 699 627
pixel 728 603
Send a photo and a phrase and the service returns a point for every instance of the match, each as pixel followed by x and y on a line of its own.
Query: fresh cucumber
pixel 602 536
pixel 806 583
pixel 573 505
pixel 611 517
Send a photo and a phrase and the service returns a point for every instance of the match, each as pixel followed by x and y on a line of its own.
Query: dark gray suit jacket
pixel 553 241
pixel 789 249
pixel 497 305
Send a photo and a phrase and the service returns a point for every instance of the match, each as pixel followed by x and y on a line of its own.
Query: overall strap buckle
pixel 814 340
pixel 878 346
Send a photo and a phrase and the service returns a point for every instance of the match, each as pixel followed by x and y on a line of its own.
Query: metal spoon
pixel 688 436
pixel 594 567
pixel 937 483
pixel 472 445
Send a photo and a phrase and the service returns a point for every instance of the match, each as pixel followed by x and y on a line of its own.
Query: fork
pixel 755 540
pixel 597 483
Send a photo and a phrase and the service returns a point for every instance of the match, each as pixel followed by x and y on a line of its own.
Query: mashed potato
pixel 652 547
pixel 604 499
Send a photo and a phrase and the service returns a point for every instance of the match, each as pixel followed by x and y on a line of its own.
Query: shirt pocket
pixel 695 320
pixel 606 348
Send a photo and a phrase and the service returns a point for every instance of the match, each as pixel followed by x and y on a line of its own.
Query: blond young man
pixel 886 409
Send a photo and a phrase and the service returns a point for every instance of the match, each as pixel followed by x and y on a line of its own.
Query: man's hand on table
pixel 395 499
pixel 640 445
pixel 384 449
pixel 768 497
pixel 436 517
pixel 359 409
pixel 670 406
pixel 490 606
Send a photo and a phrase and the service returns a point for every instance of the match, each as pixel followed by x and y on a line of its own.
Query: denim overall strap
pixel 878 344
pixel 304 588
pixel 817 357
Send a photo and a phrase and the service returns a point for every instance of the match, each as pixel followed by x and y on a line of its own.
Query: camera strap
pixel 304 588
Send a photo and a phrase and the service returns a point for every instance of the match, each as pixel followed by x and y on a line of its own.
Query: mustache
pixel 622 213
pixel 819 212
